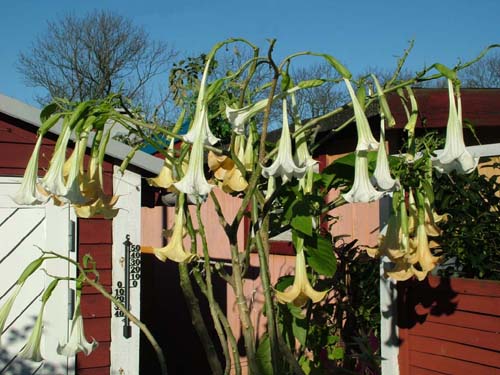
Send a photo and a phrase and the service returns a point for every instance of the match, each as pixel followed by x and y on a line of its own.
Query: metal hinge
pixel 71 303
pixel 71 237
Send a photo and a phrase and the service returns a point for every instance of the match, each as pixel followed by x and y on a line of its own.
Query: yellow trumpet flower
pixel 175 248
pixel 301 289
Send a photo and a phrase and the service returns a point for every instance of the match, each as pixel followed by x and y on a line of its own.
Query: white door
pixel 22 230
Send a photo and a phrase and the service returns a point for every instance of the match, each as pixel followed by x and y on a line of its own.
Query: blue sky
pixel 360 33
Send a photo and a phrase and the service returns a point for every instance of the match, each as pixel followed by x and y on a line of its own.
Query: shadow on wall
pixel 10 363
pixel 417 300
pixel 164 311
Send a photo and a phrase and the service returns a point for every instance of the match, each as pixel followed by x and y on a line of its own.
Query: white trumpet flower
pixel 53 181
pixel 28 192
pixel 73 190
pixel 31 350
pixel 382 176
pixel 362 190
pixel 7 306
pixel 239 117
pixel 77 341
pixel 200 125
pixel 284 165
pixel 194 182
pixel 201 121
pixel 366 141
pixel 455 156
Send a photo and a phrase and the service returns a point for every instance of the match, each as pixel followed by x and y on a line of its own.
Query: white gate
pixel 22 230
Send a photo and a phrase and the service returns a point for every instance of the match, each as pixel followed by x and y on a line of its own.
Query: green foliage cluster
pixel 470 240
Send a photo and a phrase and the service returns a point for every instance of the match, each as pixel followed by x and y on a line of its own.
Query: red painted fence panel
pixel 449 326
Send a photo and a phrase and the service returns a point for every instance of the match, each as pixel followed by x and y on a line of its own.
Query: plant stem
pixel 210 292
pixel 263 251
pixel 144 329
pixel 224 322
pixel 197 320
pixel 246 322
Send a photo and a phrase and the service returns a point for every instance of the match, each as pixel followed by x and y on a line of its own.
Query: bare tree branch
pixel 90 56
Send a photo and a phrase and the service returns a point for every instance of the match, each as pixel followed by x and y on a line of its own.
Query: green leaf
pixel 341 171
pixel 320 255
pixel 307 84
pixel 299 329
pixel 301 219
pixel 48 111
pixel 284 282
pixel 263 356
pixel 383 103
pixel 335 353
pixel 447 72
pixel 295 311
pixel 343 71
pixel 361 95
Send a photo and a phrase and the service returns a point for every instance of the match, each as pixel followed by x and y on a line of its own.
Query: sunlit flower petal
pixel 455 156
pixel 362 190
pixel 234 181
pixel 284 165
pixel 28 192
pixel 175 247
pixel 200 126
pixel 77 341
pixel 426 260
pixel 399 270
pixel 366 141
pixel 238 118
pixel 165 178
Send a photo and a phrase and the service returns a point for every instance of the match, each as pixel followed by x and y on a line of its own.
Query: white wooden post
pixel 389 349
pixel 58 309
pixel 125 351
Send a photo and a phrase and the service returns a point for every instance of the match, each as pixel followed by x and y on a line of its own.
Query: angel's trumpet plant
pixel 7 306
pixel 455 156
pixel 366 141
pixel 165 178
pixel 424 256
pixel 53 181
pixel 284 165
pixel 98 202
pixel 32 350
pixel 194 182
pixel 227 173
pixel 362 189
pixel 77 341
pixel 248 156
pixel 200 128
pixel 301 289
pixel 381 178
pixel 28 193
pixel 239 117
pixel 73 191
pixel 175 248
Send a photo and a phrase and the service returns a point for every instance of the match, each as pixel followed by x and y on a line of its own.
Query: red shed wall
pixel 449 326
pixel 17 140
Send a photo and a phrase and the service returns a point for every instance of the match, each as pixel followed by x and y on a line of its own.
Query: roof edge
pixel 31 115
